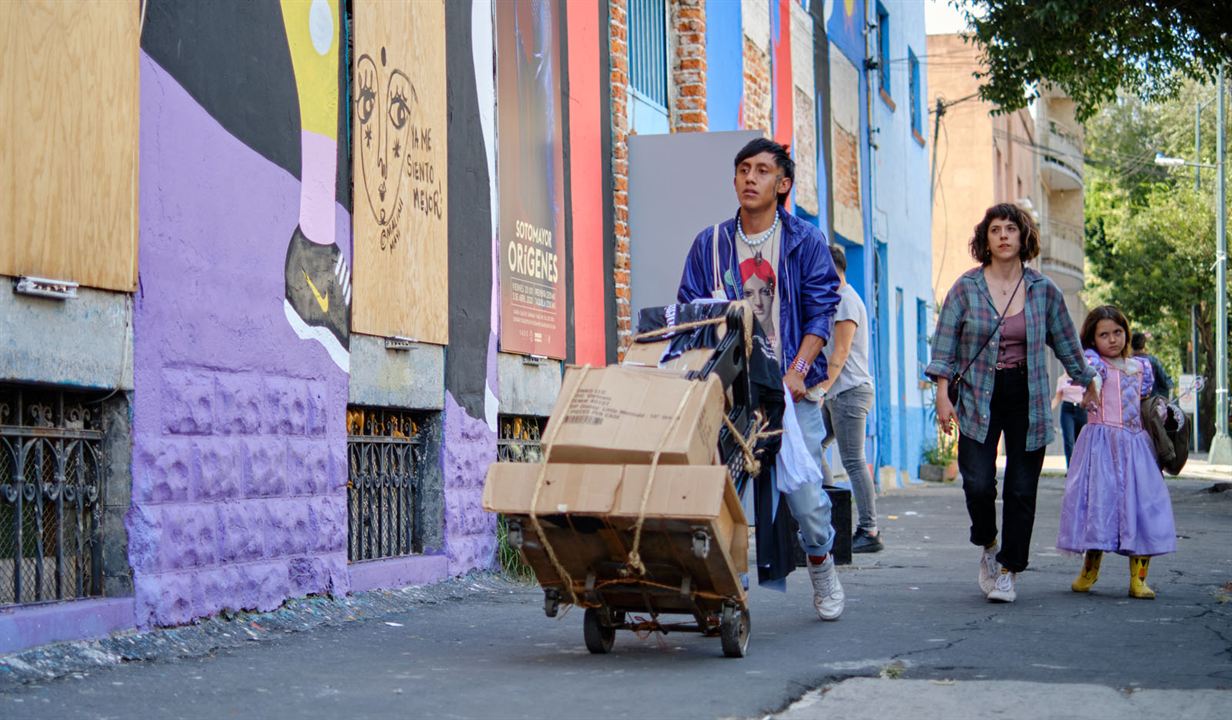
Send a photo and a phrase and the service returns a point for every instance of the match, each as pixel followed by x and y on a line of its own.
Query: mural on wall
pixel 401 175
pixel 469 442
pixel 532 227
pixel 239 440
pixel 318 277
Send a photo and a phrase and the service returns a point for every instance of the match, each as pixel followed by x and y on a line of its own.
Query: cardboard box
pixel 650 355
pixel 588 512
pixel 618 415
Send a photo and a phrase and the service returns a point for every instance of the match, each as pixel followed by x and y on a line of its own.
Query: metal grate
pixel 520 438
pixel 384 483
pixel 51 486
pixel 648 49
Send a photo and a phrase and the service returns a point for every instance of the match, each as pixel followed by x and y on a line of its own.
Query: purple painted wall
pixel 239 445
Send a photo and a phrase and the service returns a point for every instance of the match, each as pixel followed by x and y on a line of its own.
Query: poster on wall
pixel 530 165
pixel 399 147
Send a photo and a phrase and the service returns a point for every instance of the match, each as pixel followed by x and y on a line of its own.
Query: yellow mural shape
pixel 312 33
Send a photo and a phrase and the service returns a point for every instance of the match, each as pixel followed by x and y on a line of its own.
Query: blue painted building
pixel 843 84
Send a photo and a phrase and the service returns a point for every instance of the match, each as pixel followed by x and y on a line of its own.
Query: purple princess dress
pixel 1115 496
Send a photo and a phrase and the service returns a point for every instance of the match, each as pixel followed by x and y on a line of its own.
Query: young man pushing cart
pixel 782 266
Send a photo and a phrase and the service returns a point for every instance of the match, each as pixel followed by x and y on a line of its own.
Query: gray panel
pixel 413 379
pixel 85 341
pixel 678 184
pixel 527 386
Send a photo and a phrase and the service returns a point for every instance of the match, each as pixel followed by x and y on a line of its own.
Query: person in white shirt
pixel 849 398
pixel 1073 415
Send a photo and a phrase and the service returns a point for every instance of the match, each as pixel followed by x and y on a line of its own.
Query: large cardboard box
pixel 588 512
pixel 620 415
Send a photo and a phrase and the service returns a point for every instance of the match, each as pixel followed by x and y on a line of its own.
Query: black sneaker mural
pixel 318 299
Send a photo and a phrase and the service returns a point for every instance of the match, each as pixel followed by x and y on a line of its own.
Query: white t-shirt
pixel 855 370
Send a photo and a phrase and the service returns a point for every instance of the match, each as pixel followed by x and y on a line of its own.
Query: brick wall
pixel 688 104
pixel 618 40
pixel 757 100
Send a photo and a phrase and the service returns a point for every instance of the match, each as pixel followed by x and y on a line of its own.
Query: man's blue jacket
pixel 808 283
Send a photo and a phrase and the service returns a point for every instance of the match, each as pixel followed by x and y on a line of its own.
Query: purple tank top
pixel 1013 348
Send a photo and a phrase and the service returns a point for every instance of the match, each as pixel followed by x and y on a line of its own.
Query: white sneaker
pixel 988 569
pixel 828 596
pixel 1003 589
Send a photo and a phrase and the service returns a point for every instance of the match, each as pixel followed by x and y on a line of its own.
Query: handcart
pixel 693 566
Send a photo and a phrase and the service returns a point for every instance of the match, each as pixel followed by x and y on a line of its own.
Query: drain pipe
pixel 871 258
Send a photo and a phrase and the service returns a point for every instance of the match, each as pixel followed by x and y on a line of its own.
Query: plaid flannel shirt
pixel 967 318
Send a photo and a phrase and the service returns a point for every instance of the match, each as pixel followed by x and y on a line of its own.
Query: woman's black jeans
pixel 1073 419
pixel 978 463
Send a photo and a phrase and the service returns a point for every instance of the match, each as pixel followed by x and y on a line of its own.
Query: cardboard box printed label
pixel 620 415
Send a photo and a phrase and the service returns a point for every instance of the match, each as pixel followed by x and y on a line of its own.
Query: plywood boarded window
pixel 399 151
pixel 70 93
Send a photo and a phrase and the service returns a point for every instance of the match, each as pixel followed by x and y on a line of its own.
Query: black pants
pixel 978 463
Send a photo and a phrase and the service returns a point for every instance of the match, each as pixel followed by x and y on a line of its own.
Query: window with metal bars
pixel 648 50
pixel 52 479
pixel 520 438
pixel 385 458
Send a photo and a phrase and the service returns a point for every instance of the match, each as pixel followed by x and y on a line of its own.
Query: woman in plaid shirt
pixel 1005 390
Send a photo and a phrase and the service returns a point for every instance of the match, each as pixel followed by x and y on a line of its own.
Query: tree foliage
pixel 1150 242
pixel 1093 48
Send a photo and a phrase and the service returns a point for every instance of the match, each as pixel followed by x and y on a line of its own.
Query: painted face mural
pixel 384 102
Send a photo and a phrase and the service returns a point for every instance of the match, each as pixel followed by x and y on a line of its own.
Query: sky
pixel 940 18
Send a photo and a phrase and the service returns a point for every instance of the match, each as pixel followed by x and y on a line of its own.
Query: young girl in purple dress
pixel 1115 497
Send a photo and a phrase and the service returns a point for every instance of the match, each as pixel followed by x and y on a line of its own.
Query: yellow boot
pixel 1138 565
pixel 1090 571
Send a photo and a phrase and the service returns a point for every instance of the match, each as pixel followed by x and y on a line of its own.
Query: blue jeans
pixel 810 505
pixel 1073 419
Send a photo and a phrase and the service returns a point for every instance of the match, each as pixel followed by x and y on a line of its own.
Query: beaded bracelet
pixel 799 366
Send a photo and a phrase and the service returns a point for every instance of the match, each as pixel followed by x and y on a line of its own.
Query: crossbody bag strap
pixel 717 292
pixel 1000 320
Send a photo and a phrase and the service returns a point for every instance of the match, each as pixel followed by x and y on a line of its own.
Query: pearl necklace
pixel 761 240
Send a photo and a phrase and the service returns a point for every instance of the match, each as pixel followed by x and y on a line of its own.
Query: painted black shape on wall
pixel 232 58
pixel 470 222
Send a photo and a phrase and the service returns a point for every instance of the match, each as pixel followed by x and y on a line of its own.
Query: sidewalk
pixel 1197 468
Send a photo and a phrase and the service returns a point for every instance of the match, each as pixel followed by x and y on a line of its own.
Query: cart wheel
pixel 734 631
pixel 598 632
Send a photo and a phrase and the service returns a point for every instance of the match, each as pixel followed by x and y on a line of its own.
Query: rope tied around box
pixel 634 560
pixel 748 446
pixel 548 442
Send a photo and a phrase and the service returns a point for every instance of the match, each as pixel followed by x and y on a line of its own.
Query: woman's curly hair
pixel 1028 233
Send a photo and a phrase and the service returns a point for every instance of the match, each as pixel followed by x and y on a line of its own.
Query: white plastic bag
pixel 795 465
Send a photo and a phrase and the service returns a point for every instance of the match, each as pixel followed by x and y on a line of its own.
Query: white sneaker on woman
pixel 988 569
pixel 828 595
pixel 1003 589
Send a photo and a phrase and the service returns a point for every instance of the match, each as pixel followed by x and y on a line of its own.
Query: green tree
pixel 1150 241
pixel 1092 49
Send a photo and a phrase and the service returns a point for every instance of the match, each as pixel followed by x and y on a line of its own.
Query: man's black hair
pixel 782 158
pixel 1137 341
pixel 839 257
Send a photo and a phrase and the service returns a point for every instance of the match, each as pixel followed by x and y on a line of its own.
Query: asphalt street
pixel 914 615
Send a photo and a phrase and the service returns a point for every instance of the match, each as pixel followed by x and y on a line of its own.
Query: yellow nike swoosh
pixel 322 300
